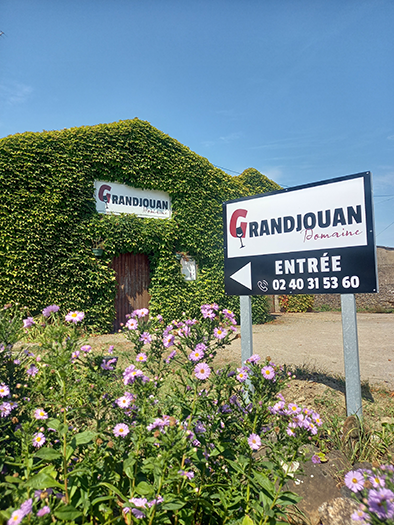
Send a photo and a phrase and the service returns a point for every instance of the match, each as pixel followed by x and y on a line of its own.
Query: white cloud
pixel 15 93
pixel 225 139
pixel 230 138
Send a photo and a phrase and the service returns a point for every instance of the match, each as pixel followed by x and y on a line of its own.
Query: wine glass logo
pixel 239 233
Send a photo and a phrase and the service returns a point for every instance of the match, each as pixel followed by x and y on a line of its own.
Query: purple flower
pixel 268 372
pixel 75 355
pixel 354 480
pixel 129 376
pixel 38 439
pixel 255 358
pixel 49 309
pixel 146 338
pixel 168 340
pixel 32 371
pixel 132 324
pixel 159 423
pixel 16 517
pixel 138 514
pixel 121 430
pixel 292 433
pixel 242 375
pixel 86 348
pixel 4 390
pixel 107 364
pixel 27 506
pixel 316 419
pixel 202 371
pixel 40 413
pixel 171 355
pixel 184 332
pixel 75 317
pixel 140 313
pixel 111 349
pixel 141 357
pixel 43 511
pixel 316 459
pixel 254 441
pixel 359 515
pixel 377 481
pixel 219 333
pixel 184 473
pixel 312 428
pixel 124 401
pixel 381 503
pixel 155 501
pixel 196 355
pixel 199 428
pixel 5 409
pixel 139 502
pixel 292 408
pixel 27 323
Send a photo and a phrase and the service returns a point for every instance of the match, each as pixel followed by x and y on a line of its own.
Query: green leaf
pixel 247 521
pixel 48 454
pixel 173 505
pixel 143 488
pixel 100 499
pixel 53 423
pixel 11 479
pixel 41 481
pixel 113 489
pixel 84 437
pixel 67 513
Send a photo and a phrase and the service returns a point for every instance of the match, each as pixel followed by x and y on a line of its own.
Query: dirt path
pixel 315 339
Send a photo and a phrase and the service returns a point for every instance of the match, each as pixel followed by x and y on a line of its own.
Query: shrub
pixel 296 303
pixel 162 437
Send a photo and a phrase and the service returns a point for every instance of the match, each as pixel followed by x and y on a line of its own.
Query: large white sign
pixel 112 197
pixel 326 217
pixel 316 238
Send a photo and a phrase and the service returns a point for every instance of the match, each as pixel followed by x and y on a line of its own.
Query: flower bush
pixel 163 438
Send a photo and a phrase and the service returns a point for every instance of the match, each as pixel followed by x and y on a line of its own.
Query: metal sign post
pixel 245 304
pixel 350 353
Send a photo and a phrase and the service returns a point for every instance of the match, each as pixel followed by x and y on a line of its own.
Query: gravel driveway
pixel 315 339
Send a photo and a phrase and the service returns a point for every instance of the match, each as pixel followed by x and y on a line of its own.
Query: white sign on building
pixel 115 198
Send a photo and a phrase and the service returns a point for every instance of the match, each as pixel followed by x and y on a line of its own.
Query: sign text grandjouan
pixel 118 198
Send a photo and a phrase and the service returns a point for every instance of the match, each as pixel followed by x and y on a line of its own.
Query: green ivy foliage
pixel 256 182
pixel 296 303
pixel 49 223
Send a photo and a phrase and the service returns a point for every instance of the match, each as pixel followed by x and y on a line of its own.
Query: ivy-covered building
pixel 52 185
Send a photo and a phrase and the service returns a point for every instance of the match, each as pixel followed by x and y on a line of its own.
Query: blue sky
pixel 301 90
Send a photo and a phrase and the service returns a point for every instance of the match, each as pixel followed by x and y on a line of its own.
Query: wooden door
pixel 132 278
